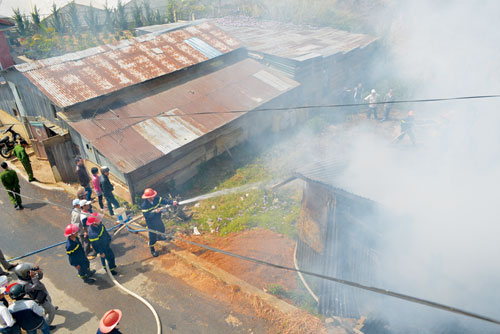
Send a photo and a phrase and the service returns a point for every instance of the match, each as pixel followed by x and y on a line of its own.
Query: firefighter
pixel 151 209
pixel 11 183
pixel 407 125
pixel 101 241
pixel 76 254
pixel 109 321
pixel 23 157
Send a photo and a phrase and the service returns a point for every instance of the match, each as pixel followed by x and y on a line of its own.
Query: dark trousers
pixel 153 237
pixel 101 203
pixel 89 191
pixel 15 329
pixel 111 200
pixel 29 170
pixel 372 110
pixel 110 256
pixel 14 196
pixel 387 111
pixel 410 134
pixel 84 270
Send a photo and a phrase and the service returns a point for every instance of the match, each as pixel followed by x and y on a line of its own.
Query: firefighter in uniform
pixel 151 209
pixel 76 254
pixel 109 321
pixel 101 241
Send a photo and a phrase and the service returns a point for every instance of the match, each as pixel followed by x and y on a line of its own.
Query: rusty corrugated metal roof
pixel 139 136
pixel 76 77
pixel 292 42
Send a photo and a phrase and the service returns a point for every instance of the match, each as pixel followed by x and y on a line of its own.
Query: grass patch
pixel 301 298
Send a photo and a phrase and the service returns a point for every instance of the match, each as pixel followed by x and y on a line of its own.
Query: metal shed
pixel 339 233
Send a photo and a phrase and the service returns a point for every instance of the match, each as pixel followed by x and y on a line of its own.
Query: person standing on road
pixel 20 152
pixel 107 189
pixel 27 313
pixel 387 107
pixel 109 321
pixel 151 209
pixel 83 177
pixel 76 255
pixel 96 185
pixel 37 291
pixel 372 106
pixel 101 241
pixel 5 264
pixel 83 230
pixel 10 182
pixel 7 323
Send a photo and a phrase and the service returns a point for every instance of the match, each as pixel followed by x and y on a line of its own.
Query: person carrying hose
pixel 151 209
pixel 101 241
pixel 76 254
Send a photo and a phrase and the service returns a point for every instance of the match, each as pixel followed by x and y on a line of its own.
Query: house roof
pixel 5 23
pixel 135 132
pixel 290 41
pixel 77 77
pixel 331 172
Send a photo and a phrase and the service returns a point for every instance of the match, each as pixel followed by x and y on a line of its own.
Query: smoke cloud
pixel 445 248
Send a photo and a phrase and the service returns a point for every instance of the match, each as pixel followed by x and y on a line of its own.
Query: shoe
pixel 21 207
pixel 18 208
pixel 114 272
pixel 89 280
pixel 154 252
pixel 16 205
pixel 52 327
pixel 91 273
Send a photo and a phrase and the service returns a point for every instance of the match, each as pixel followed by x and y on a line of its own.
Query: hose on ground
pixel 144 301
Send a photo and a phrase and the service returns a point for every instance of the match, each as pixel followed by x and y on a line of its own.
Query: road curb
pixel 232 280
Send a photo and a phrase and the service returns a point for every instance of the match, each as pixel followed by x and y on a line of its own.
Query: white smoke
pixel 447 248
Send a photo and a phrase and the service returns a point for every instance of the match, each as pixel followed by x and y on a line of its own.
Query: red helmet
pixel 110 320
pixel 149 193
pixel 71 229
pixel 94 217
pixel 410 113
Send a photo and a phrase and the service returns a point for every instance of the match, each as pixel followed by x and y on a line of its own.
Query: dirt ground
pixel 257 243
pixel 41 168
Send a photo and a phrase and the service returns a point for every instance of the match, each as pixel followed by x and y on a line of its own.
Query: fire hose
pixel 144 301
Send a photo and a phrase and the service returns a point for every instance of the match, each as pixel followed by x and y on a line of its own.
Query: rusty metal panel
pixel 76 77
pixel 293 42
pixel 140 129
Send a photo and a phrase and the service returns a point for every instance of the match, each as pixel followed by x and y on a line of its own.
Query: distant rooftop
pixel 76 77
pixel 45 6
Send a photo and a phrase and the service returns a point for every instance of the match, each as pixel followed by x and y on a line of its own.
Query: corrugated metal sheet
pixel 297 43
pixel 130 143
pixel 80 76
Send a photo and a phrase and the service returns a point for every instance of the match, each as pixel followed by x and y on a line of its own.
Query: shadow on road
pixel 73 321
pixel 34 206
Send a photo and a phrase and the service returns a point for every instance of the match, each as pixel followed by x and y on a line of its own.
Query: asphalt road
pixel 181 309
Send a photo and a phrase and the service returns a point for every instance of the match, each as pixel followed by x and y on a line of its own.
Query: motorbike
pixel 7 143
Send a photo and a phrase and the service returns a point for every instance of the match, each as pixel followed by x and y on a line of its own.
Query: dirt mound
pixel 257 243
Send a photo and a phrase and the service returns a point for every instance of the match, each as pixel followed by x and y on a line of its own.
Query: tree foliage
pixel 57 20
pixel 74 18
pixel 121 16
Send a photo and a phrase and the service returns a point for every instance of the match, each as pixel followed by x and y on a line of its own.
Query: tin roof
pixel 135 132
pixel 331 172
pixel 76 77
pixel 289 41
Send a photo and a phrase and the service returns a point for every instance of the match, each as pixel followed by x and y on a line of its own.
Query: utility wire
pixel 319 106
pixel 329 278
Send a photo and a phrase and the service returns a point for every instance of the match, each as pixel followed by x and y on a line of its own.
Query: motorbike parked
pixel 7 143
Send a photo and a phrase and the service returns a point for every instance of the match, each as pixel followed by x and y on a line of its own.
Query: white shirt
pixel 6 319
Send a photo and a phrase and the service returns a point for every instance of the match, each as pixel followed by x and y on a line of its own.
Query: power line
pixel 319 106
pixel 329 278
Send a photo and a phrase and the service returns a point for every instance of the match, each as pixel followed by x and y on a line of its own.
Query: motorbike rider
pixel 30 276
